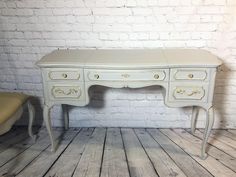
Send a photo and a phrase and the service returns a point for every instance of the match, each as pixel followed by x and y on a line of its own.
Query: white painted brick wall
pixel 29 29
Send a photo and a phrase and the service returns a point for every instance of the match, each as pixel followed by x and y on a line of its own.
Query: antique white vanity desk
pixel 187 76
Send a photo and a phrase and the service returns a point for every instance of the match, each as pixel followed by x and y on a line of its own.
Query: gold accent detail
pixel 156 76
pixel 190 76
pixel 125 75
pixel 96 76
pixel 71 91
pixel 194 92
pixel 180 91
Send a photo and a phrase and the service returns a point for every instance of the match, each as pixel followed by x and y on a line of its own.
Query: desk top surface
pixel 130 58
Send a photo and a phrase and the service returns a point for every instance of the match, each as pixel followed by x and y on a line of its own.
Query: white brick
pixel 111 11
pixel 141 11
pixel 62 11
pixel 131 3
pixel 43 12
pixel 17 12
pixel 185 10
pixel 30 4
pixel 82 11
pixel 231 2
pixel 209 10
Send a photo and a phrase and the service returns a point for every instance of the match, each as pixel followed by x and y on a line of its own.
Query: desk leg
pixel 194 118
pixel 47 120
pixel 209 124
pixel 66 116
pixel 31 111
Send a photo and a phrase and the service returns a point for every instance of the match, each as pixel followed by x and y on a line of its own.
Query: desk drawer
pixel 126 75
pixel 64 74
pixel 66 91
pixel 188 91
pixel 189 74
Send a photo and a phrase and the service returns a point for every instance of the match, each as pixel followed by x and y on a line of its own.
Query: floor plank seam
pixel 20 152
pixel 125 152
pixel 146 152
pixel 103 149
pixel 189 154
pixel 234 170
pixel 72 174
pixel 213 145
pixel 63 151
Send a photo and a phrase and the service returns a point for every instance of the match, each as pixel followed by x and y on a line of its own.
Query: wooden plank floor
pixel 117 152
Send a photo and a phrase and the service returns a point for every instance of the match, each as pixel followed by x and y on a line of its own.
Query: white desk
pixel 187 76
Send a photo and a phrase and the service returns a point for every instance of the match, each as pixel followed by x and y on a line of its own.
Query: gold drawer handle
pixel 156 76
pixel 190 76
pixel 64 75
pixel 96 76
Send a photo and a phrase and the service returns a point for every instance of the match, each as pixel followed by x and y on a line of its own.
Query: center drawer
pixel 126 75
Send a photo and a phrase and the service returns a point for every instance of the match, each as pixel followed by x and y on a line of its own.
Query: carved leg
pixel 66 116
pixel 31 119
pixel 47 120
pixel 194 118
pixel 209 124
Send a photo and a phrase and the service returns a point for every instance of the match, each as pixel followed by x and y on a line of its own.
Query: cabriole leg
pixel 47 120
pixel 194 118
pixel 31 111
pixel 209 124
pixel 66 116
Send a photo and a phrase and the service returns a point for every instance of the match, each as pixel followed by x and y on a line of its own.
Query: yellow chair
pixel 11 109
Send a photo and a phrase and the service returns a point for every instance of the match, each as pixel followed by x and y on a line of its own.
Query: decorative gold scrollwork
pixel 70 92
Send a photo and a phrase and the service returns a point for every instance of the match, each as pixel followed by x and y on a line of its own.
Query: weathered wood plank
pixel 72 155
pixel 224 147
pixel 16 165
pixel 40 165
pixel 223 139
pixel 90 162
pixel 163 164
pixel 233 131
pixel 114 160
pixel 14 150
pixel 218 154
pixel 9 134
pixel 223 133
pixel 13 138
pixel 193 149
pixel 138 161
pixel 188 165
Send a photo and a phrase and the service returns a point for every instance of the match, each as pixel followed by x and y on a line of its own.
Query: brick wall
pixel 29 29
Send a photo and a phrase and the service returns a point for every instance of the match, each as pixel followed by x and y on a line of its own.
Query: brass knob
pixel 156 76
pixel 64 75
pixel 96 76
pixel 190 75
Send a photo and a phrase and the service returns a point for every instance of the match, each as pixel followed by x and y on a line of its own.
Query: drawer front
pixel 126 75
pixel 188 92
pixel 65 92
pixel 65 74
pixel 188 74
